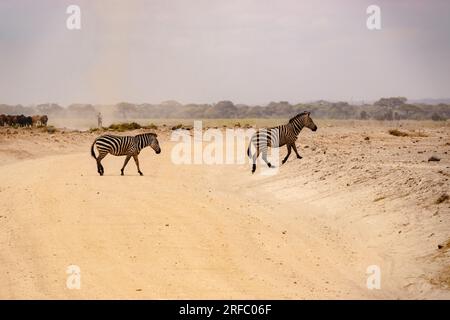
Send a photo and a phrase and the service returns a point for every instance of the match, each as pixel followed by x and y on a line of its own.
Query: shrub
pixel 152 126
pixel 442 198
pixel 50 129
pixel 437 117
pixel 363 115
pixel 398 133
pixel 434 158
pixel 124 126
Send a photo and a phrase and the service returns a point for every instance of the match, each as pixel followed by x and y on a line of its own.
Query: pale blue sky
pixel 247 51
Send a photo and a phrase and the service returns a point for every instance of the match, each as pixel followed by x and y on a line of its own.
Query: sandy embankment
pixel 203 231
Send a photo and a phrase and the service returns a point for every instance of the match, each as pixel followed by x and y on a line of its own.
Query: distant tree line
pixel 393 108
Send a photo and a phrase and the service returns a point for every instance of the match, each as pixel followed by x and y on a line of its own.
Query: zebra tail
pixel 92 150
pixel 249 152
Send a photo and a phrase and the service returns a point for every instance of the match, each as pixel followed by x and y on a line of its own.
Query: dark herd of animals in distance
pixel 23 121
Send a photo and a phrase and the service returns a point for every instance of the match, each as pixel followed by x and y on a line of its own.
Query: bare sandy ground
pixel 359 197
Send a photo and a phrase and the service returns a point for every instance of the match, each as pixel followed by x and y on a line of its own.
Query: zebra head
pixel 303 120
pixel 154 143
pixel 308 122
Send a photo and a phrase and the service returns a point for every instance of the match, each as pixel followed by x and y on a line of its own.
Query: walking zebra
pixel 129 146
pixel 276 137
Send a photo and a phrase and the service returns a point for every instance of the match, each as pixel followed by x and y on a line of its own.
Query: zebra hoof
pixel 140 173
pixel 121 173
pixel 299 157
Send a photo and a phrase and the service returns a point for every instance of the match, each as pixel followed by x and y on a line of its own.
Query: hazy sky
pixel 247 51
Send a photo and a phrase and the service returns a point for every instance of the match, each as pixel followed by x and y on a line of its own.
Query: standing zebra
pixel 276 137
pixel 123 146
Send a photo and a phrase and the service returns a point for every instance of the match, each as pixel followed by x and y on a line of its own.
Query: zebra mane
pixel 298 116
pixel 147 133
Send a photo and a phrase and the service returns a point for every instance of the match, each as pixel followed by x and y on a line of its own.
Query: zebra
pixel 129 146
pixel 279 136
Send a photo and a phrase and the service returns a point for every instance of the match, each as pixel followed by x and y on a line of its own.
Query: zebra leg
pixel 289 147
pixel 296 152
pixel 137 164
pixel 125 164
pixel 255 157
pixel 100 168
pixel 264 156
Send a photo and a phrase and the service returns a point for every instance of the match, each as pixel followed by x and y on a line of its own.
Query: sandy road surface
pixel 197 231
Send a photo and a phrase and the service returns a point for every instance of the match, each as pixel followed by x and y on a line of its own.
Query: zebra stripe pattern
pixel 276 137
pixel 129 146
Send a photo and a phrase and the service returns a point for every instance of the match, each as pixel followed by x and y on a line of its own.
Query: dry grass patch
pixel 121 127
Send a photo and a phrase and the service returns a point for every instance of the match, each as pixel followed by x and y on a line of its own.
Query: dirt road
pixel 185 231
